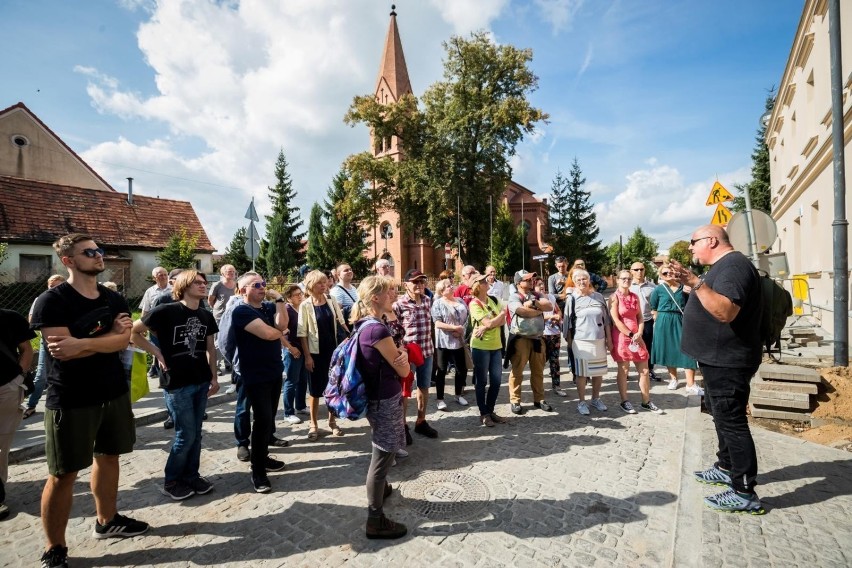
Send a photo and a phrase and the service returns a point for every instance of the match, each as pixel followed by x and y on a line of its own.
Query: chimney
pixel 130 191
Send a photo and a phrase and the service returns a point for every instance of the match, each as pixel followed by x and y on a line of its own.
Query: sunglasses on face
pixel 693 241
pixel 666 273
pixel 92 253
pixel 637 269
pixel 624 278
pixel 259 285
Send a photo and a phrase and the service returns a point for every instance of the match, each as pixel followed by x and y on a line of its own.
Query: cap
pixel 175 273
pixel 523 275
pixel 479 278
pixel 413 275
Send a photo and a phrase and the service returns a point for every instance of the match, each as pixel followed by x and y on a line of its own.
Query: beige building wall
pixel 800 152
pixel 29 150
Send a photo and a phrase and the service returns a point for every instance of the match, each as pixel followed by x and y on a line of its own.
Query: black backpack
pixel 776 305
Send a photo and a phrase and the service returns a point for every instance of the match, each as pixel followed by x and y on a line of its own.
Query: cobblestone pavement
pixel 547 489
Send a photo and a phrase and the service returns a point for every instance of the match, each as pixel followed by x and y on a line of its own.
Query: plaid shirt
pixel 417 321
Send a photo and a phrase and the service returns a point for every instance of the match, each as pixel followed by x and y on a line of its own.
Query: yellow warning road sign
pixel 719 195
pixel 721 215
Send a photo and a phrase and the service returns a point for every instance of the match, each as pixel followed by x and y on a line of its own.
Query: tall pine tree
pixel 318 256
pixel 759 187
pixel 559 237
pixel 235 253
pixel 582 225
pixel 344 237
pixel 283 251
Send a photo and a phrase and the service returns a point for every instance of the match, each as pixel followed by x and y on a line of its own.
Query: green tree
pixel 317 251
pixel 582 229
pixel 759 187
pixel 235 253
pixel 457 148
pixel 345 238
pixel 283 251
pixel 679 251
pixel 179 251
pixel 505 241
pixel 4 252
pixel 638 248
pixel 559 234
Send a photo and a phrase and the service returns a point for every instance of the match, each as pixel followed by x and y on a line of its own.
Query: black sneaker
pixel 408 439
pixel 204 417
pixel 56 557
pixel 200 485
pixel 516 408
pixel 243 453
pixel 542 405
pixel 655 377
pixel 177 490
pixel 384 528
pixel 425 430
pixel 261 483
pixel 273 464
pixel 119 526
pixel 4 511
pixel 169 423
pixel 278 442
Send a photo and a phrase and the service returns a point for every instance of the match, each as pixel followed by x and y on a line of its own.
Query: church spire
pixel 393 81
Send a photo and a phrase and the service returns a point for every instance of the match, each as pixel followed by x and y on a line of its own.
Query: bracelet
pixel 699 285
pixel 280 300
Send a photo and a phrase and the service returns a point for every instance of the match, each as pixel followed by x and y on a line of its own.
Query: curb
pixel 24 453
pixel 688 517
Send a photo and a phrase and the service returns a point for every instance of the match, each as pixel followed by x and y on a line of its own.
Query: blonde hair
pixel 442 285
pixel 313 278
pixel 55 280
pixel 476 287
pixel 183 281
pixel 624 271
pixel 110 285
pixel 369 287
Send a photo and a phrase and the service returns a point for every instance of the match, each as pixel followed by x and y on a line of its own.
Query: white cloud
pixel 469 15
pixel 587 60
pixel 559 13
pixel 660 202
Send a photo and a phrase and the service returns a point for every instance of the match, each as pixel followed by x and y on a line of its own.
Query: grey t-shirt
pixel 592 315
pixel 223 294
pixel 644 291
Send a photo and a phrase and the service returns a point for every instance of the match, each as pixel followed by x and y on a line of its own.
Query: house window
pixel 34 268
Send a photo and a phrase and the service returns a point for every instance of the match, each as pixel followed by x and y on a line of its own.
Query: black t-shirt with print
pixel 14 330
pixel 87 381
pixel 182 333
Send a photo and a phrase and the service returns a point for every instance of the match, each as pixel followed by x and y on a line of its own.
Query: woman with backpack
pixel 486 349
pixel 382 366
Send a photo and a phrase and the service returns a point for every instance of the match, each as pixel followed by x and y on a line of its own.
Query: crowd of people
pixel 279 344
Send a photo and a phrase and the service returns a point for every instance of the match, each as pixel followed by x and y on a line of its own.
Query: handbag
pixel 138 375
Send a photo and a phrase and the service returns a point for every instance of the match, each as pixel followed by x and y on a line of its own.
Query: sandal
pixel 29 412
pixel 335 429
pixel 313 434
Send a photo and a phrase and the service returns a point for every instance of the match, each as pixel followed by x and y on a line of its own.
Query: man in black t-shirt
pixel 88 414
pixel 16 357
pixel 721 330
pixel 187 356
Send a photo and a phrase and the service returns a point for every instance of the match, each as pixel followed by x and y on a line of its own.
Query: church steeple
pixel 393 81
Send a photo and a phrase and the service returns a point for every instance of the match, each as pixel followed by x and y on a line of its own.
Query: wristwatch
pixel 280 300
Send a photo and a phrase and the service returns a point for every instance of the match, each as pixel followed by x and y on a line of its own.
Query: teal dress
pixel 668 328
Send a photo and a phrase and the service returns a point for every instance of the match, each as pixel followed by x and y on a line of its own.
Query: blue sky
pixel 193 99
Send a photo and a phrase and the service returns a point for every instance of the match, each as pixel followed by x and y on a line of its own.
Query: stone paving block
pixel 763 412
pixel 781 401
pixel 793 373
pixel 785 386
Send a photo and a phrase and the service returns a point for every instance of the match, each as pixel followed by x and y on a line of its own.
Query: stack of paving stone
pixel 784 391
pixel 800 337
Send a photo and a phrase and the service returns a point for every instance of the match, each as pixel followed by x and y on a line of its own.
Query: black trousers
pixel 726 392
pixel 263 398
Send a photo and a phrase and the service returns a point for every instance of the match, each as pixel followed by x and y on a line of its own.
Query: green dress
pixel 668 328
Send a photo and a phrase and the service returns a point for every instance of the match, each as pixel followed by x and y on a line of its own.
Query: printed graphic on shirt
pixel 189 335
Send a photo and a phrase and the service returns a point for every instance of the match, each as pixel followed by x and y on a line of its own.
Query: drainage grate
pixel 447 495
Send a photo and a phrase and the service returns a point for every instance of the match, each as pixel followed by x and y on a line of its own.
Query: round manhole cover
pixel 447 495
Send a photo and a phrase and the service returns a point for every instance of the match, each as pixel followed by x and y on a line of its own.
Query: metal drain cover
pixel 447 495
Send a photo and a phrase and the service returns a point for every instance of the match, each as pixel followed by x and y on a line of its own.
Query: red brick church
pixel 402 248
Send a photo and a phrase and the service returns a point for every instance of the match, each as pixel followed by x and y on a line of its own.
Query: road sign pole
pixel 752 240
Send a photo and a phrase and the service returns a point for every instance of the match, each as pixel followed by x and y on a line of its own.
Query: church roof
pixel 393 73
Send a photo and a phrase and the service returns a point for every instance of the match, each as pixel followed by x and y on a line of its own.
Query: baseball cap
pixel 479 278
pixel 413 275
pixel 523 275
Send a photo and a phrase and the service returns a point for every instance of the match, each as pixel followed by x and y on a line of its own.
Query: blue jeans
pixel 295 384
pixel 242 414
pixel 187 406
pixel 40 376
pixel 487 369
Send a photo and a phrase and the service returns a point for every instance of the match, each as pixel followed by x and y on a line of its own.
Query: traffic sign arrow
pixel 718 194
pixel 251 214
pixel 251 232
pixel 721 215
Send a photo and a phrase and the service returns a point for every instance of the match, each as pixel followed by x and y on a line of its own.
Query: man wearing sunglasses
pixel 86 327
pixel 721 330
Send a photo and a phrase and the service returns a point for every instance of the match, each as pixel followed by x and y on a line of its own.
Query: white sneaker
pixel 442 405
pixel 293 419
pixel 672 384
pixel 598 404
pixel 463 401
pixel 695 389
pixel 232 388
pixel 401 454
pixel 583 408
